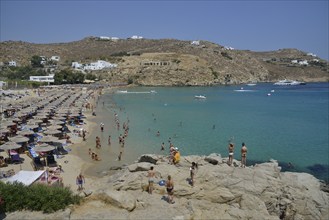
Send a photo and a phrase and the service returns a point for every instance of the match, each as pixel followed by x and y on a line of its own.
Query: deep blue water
pixel 290 125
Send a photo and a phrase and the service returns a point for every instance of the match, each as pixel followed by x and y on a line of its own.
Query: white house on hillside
pixel 12 63
pixel 311 54
pixel 49 78
pixel 104 38
pixel 55 58
pixel 136 37
pixel 228 48
pixel 100 64
pixel 195 42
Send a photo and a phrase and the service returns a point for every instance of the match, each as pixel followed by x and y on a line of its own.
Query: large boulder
pixel 120 199
pixel 214 158
pixel 149 158
pixel 142 166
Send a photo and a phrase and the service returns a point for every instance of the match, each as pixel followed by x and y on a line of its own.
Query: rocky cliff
pixel 174 62
pixel 220 192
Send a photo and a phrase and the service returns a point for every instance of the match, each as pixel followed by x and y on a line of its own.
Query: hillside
pixel 173 62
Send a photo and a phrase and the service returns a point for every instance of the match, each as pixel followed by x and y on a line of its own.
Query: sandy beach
pixel 72 163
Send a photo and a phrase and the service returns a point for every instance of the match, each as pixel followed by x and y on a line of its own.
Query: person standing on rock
pixel 193 169
pixel 80 181
pixel 151 176
pixel 243 155
pixel 230 153
pixel 170 190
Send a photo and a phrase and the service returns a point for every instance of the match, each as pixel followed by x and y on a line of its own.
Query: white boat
pixel 122 91
pixel 200 97
pixel 153 91
pixel 251 84
pixel 288 83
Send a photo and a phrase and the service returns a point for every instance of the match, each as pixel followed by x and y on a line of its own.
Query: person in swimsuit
pixel 193 169
pixel 230 153
pixel 243 155
pixel 80 181
pixel 151 176
pixel 170 189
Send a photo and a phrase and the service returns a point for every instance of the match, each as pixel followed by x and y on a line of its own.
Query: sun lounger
pixel 16 158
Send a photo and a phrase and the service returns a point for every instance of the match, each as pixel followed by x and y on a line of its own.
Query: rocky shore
pixel 220 192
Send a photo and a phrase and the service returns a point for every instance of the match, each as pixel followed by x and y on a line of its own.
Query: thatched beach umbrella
pixel 32 126
pixel 43 148
pixel 10 146
pixel 19 139
pixel 7 124
pixel 25 132
pixel 56 121
pixel 54 127
pixel 35 121
pixel 47 139
pixel 52 132
pixel 4 131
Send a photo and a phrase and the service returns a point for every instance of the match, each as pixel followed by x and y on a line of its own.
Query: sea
pixel 285 123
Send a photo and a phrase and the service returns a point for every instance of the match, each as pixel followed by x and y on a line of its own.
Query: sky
pixel 260 25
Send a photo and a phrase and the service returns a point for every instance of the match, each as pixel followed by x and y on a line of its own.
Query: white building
pixel 136 37
pixel 228 48
pixel 77 65
pixel 55 58
pixel 294 61
pixel 100 64
pixel 49 78
pixel 303 62
pixel 115 38
pixel 12 63
pixel 311 54
pixel 104 38
pixel 195 42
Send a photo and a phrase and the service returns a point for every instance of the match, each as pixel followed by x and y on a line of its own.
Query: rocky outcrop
pixel 220 192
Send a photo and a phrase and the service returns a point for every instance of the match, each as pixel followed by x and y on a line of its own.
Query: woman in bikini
pixel 170 189
pixel 151 176
pixel 230 154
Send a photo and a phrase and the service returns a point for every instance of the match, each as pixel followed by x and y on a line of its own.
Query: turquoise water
pixel 290 125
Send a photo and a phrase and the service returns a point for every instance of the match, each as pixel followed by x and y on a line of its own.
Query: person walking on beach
pixel 170 190
pixel 109 140
pixel 83 134
pixel 80 181
pixel 98 142
pixel 120 155
pixel 151 176
pixel 102 126
pixel 230 153
pixel 243 155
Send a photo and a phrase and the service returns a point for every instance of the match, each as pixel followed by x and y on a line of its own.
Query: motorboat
pixel 153 91
pixel 200 97
pixel 122 91
pixel 288 83
pixel 251 84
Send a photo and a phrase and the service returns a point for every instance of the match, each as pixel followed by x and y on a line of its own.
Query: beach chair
pixel 37 164
pixel 16 159
pixel 51 161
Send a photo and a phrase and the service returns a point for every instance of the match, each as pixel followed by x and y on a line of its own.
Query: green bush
pixel 37 197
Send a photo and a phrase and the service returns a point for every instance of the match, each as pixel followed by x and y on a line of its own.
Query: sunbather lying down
pixel 8 173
